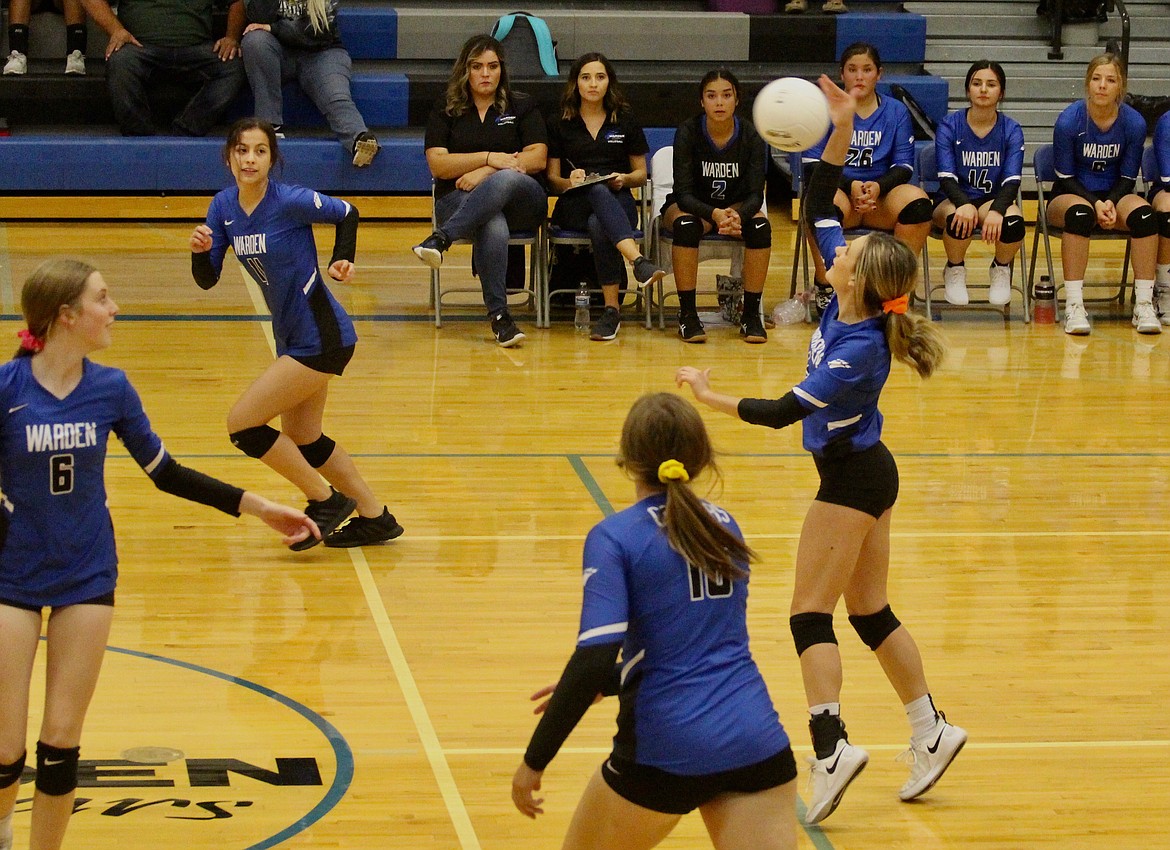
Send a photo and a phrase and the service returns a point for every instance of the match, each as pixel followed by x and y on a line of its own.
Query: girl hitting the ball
pixel 844 548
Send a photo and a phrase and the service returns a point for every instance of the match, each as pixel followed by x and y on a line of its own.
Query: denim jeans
pixel 323 75
pixel 608 216
pixel 129 71
pixel 506 201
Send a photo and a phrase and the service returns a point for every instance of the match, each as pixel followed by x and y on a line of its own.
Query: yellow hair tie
pixel 672 470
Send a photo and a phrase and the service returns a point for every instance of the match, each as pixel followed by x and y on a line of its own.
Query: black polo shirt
pixel 519 126
pixel 617 141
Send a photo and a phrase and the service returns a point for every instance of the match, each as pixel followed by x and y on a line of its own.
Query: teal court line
pixel 580 456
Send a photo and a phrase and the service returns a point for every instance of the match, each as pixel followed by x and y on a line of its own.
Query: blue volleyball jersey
pixel 1098 158
pixel 692 699
pixel 880 142
pixel 1162 151
pixel 60 544
pixel 275 245
pixel 981 165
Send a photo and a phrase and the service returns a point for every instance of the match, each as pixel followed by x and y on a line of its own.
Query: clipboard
pixel 593 178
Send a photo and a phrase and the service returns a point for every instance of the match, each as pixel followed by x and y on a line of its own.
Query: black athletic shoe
pixel 752 329
pixel 431 249
pixel 646 272
pixel 365 148
pixel 328 514
pixel 364 531
pixel 505 330
pixel 607 326
pixel 690 328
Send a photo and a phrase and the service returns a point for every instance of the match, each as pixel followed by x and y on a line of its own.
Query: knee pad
pixel 11 773
pixel 1080 220
pixel 318 452
pixel 918 211
pixel 757 233
pixel 950 228
pixel 873 629
pixel 255 442
pixel 56 769
pixel 1164 224
pixel 1142 222
pixel 811 628
pixel 1012 230
pixel 687 230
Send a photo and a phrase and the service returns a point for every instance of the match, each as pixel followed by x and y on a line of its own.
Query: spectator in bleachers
pixel 20 13
pixel 484 142
pixel 594 135
pixel 1160 197
pixel 1097 148
pixel 875 190
pixel 980 155
pixel 718 188
pixel 298 40
pixel 150 39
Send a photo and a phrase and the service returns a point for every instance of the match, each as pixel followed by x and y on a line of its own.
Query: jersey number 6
pixel 61 474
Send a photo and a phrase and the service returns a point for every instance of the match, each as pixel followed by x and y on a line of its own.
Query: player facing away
pixel 666 584
pixel 269 227
pixel 57 551
pixel 844 548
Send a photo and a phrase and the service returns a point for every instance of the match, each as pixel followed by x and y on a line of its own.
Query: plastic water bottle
pixel 790 312
pixel 581 313
pixel 1044 302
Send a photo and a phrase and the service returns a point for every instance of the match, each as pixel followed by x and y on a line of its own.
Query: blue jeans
pixel 608 216
pixel 506 201
pixel 129 71
pixel 323 75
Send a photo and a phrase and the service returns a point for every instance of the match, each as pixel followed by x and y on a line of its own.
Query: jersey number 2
pixel 705 587
pixel 60 474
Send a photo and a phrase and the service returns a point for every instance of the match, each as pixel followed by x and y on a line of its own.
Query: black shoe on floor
pixel 690 328
pixel 505 330
pixel 646 272
pixel 364 531
pixel 328 514
pixel 752 329
pixel 431 249
pixel 606 327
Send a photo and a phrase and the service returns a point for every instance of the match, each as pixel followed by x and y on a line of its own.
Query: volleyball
pixel 791 114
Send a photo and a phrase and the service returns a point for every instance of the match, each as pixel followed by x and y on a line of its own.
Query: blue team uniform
pixel 60 544
pixel 1162 152
pixel 692 699
pixel 980 165
pixel 275 245
pixel 880 142
pixel 1098 159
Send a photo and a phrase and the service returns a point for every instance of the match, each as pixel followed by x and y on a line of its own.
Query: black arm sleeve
pixel 1005 197
pixel 202 270
pixel 345 242
pixel 775 413
pixel 950 188
pixel 896 176
pixel 822 186
pixel 586 675
pixel 1073 186
pixel 178 480
pixel 1121 188
pixel 614 686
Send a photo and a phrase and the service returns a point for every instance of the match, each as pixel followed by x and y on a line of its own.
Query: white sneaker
pixel 829 778
pixel 75 63
pixel 930 758
pixel 1000 292
pixel 17 63
pixel 1162 303
pixel 955 284
pixel 1145 320
pixel 1076 320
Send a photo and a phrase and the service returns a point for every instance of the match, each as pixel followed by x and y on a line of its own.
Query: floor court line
pixel 879 748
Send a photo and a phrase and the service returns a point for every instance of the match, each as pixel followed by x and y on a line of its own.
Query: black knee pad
pixel 1164 224
pixel 1012 230
pixel 10 773
pixel 951 228
pixel 811 628
pixel 873 629
pixel 56 769
pixel 318 452
pixel 918 211
pixel 1142 222
pixel 1080 220
pixel 757 233
pixel 255 442
pixel 687 230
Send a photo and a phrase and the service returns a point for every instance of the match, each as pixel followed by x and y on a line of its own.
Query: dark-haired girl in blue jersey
pixel 844 546
pixel 980 155
pixel 57 411
pixel 666 584
pixel 269 227
pixel 1097 148
pixel 1160 198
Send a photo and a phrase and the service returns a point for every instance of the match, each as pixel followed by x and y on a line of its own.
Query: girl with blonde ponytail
pixel 666 585
pixel 844 546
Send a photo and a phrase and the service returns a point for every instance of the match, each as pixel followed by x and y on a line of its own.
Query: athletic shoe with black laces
pixel 690 328
pixel 645 272
pixel 829 778
pixel 606 327
pixel 930 757
pixel 328 514
pixel 431 249
pixel 505 330
pixel 365 148
pixel 752 328
pixel 365 531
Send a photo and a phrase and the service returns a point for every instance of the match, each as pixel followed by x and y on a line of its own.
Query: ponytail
pixel 915 341
pixel 699 537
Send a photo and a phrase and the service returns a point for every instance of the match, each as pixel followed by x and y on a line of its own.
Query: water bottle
pixel 1044 302
pixel 790 312
pixel 581 313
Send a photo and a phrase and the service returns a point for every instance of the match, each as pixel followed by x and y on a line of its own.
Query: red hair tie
pixel 897 305
pixel 30 341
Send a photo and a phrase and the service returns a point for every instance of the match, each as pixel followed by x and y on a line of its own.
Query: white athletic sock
pixel 834 709
pixel 922 716
pixel 1163 275
pixel 1143 290
pixel 1074 292
pixel 6 832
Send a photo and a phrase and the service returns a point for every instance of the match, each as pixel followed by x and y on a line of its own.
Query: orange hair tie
pixel 897 305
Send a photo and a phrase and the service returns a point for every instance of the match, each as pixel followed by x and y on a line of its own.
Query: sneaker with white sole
pixel 365 148
pixel 606 327
pixel 955 285
pixel 431 249
pixel 930 757
pixel 1076 320
pixel 830 777
pixel 796 7
pixel 834 7
pixel 1000 291
pixel 17 63
pixel 1145 319
pixel 505 331
pixel 75 63
pixel 1162 303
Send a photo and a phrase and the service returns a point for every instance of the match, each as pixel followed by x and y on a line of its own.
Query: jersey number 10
pixel 704 586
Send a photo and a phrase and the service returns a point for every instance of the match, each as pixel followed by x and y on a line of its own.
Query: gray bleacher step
pixel 1004 51
pixel 987 26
